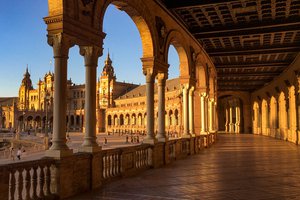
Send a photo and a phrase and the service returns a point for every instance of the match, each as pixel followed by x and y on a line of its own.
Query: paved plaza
pixel 237 167
pixel 75 141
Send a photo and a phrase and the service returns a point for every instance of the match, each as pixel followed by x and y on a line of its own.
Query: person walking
pixel 12 153
pixel 19 152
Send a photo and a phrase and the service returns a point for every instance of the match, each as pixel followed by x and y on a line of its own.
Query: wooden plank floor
pixel 237 167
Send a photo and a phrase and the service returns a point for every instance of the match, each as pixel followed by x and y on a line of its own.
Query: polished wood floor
pixel 237 167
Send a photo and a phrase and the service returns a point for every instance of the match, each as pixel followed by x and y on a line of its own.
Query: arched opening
pixel 230 114
pixel 109 120
pixel 121 119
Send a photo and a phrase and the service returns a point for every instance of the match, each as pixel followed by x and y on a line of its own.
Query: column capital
pixel 61 44
pixel 91 55
pixel 150 73
pixel 161 78
pixel 191 91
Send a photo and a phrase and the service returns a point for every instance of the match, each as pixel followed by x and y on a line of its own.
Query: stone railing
pixel 82 172
pixel 28 180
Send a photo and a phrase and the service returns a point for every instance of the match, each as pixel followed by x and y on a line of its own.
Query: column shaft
pixel 203 120
pixel 191 111
pixel 185 111
pixel 150 108
pixel 161 136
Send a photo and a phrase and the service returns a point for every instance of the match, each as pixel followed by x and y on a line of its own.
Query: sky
pixel 23 42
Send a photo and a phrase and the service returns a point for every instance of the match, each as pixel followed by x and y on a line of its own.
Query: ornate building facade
pixel 121 107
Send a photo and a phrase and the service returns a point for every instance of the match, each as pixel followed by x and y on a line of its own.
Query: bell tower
pixel 25 87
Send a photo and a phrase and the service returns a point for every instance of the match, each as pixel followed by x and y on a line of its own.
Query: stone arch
pixel 283 115
pixel 202 72
pixel 121 119
pixel 176 39
pixel 139 14
pixel 245 111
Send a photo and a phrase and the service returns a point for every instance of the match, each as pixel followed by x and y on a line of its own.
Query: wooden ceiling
pixel 249 41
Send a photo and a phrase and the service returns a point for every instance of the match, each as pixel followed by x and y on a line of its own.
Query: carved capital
pixel 191 91
pixel 61 44
pixel 91 55
pixel 161 78
pixel 150 74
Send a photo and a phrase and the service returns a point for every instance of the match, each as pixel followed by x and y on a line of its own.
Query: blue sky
pixel 23 42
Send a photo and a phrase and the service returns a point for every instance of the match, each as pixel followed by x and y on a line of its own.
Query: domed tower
pixel 25 87
pixel 106 84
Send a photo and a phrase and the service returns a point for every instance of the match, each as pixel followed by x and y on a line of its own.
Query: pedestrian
pixel 11 153
pixel 19 152
pixel 105 141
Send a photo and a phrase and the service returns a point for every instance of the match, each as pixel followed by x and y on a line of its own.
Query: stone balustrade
pixel 52 179
pixel 28 180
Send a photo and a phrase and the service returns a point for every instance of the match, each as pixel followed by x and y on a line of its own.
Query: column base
pixel 150 141
pixel 59 153
pixel 186 136
pixel 162 139
pixel 204 133
pixel 91 149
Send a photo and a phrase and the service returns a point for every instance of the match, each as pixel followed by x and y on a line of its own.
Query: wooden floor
pixel 237 167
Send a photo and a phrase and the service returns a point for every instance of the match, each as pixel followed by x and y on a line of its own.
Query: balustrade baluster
pixel 103 167
pixel 47 180
pixel 19 184
pixel 12 185
pixel 27 183
pixel 34 183
pixel 41 182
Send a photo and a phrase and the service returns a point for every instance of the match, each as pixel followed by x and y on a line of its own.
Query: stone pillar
pixel 61 44
pixel 185 104
pixel 231 125
pixel 227 119
pixel 191 111
pixel 211 116
pixel 293 114
pixel 203 115
pixel 150 139
pixel 237 119
pixel 161 83
pixel 91 55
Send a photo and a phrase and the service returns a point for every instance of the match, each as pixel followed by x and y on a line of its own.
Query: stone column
pixel 61 44
pixel 203 115
pixel 211 115
pixel 293 114
pixel 227 119
pixel 161 83
pixel 191 111
pixel 185 90
pixel 231 125
pixel 91 55
pixel 237 119
pixel 150 139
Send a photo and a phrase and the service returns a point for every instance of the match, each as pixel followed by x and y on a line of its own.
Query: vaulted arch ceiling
pixel 249 41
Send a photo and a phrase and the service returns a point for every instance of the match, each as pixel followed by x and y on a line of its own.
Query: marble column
pixel 237 119
pixel 61 45
pixel 150 139
pixel 91 55
pixel 185 89
pixel 203 115
pixel 231 125
pixel 226 119
pixel 191 111
pixel 211 116
pixel 161 84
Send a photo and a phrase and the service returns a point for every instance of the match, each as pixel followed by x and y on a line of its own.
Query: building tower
pixel 25 87
pixel 106 84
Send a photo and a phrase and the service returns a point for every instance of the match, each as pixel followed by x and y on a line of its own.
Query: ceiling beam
pixel 252 51
pixel 258 74
pixel 292 24
pixel 252 65
pixel 175 4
